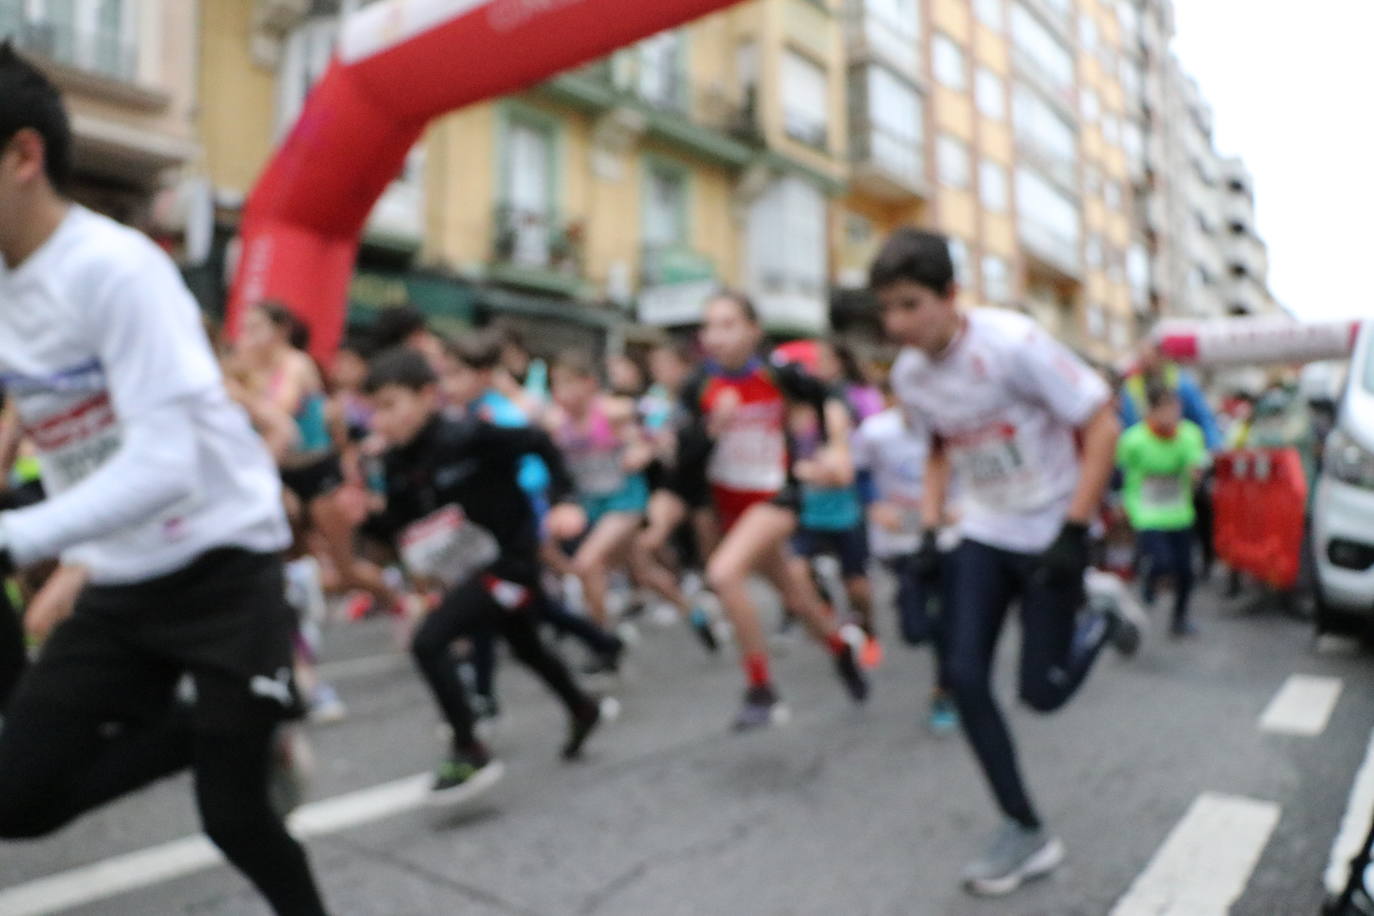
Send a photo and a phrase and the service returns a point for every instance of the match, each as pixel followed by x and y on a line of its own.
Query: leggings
pixel 56 764
pixel 1058 648
pixel 914 613
pixel 563 621
pixel 1169 553
pixel 484 605
pixel 13 656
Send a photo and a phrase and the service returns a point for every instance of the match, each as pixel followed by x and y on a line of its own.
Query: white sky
pixel 1292 88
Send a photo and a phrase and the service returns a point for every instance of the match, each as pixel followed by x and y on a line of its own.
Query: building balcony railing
pixel 1062 94
pixel 708 120
pixel 102 53
pixel 873 37
pixel 539 243
pixel 887 165
pixel 1051 247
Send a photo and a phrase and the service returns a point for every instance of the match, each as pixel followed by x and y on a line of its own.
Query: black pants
pixel 1058 648
pixel 96 716
pixel 564 623
pixel 13 655
pixel 920 615
pixel 1203 526
pixel 1168 553
pixel 482 606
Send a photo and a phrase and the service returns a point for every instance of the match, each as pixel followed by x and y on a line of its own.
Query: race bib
pixel 749 456
pixel 996 472
pixel 1162 491
pixel 447 548
pixel 597 473
pixel 73 444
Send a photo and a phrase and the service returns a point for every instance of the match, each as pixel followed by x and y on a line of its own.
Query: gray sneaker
pixel 1016 855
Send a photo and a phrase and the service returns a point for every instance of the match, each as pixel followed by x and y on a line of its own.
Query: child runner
pixel 893 446
pixel 735 453
pixel 1161 458
pixel 1030 436
pixel 459 520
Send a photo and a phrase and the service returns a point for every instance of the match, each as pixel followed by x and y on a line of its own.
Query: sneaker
pixel 605 664
pixel 1124 634
pixel 1016 855
pixel 851 675
pixel 325 706
pixel 486 713
pixel 944 716
pixel 1181 629
pixel 761 708
pixel 464 775
pixel 293 769
pixel 701 626
pixel 607 709
pixel 871 653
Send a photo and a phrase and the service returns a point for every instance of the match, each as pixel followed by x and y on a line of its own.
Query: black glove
pixel 925 563
pixel 1064 563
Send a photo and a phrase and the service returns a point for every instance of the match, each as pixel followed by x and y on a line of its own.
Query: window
pixel 805 100
pixel 1087 34
pixel 1132 82
pixel 1088 105
pixel 528 198
pixel 1133 142
pixel 1038 51
pixel 1049 219
pixel 895 129
pixel 947 58
pixel 661 80
pixel 306 55
pixel 1094 251
pixel 892 28
pixel 991 94
pixel 786 252
pixel 992 186
pixel 1041 130
pixel 1095 319
pixel 1138 269
pixel 996 279
pixel 1111 129
pixel 958 253
pixel 1119 333
pixel 100 36
pixel 991 13
pixel 1111 193
pixel 665 206
pixel 952 159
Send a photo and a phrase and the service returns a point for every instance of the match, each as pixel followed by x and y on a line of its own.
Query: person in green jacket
pixel 1161 458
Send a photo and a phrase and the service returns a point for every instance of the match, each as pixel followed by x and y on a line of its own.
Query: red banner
pixel 401 63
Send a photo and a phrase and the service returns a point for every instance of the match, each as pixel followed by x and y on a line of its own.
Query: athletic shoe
pixel 464 775
pixel 1182 629
pixel 944 716
pixel 605 664
pixel 325 706
pixel 1110 593
pixel 871 653
pixel 701 626
pixel 1123 633
pixel 1016 855
pixel 607 709
pixel 761 708
pixel 293 769
pixel 851 675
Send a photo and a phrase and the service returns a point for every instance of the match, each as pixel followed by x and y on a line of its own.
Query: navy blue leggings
pixel 919 615
pixel 1168 553
pixel 1058 648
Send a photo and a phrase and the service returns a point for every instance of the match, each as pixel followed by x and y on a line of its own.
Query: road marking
pixel 1354 825
pixel 156 864
pixel 1331 644
pixel 1203 866
pixel 1302 706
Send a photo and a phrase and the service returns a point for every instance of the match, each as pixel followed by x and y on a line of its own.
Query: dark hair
pixel 283 319
pixel 1157 395
pixel 745 304
pixel 29 101
pixel 510 336
pixel 478 350
pixel 400 366
pixel 394 326
pixel 916 255
pixel 356 341
pixel 575 362
pixel 681 350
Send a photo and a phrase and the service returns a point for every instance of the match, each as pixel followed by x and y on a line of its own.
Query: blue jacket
pixel 1190 397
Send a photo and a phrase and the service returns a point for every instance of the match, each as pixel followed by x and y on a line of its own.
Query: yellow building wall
pixel 954 113
pixel 237 108
pixel 990 49
pixel 995 139
pixel 999 236
pixel 952 17
pixel 461 180
pixel 958 213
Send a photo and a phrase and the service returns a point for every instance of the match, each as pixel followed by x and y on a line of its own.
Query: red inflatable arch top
pixel 400 64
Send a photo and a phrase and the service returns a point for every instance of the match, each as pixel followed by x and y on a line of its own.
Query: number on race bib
pixel 1162 491
pixel 447 547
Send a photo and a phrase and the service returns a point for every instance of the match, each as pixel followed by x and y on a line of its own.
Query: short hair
pixel 510 336
pixel 915 255
pixel 740 299
pixel 29 101
pixel 400 366
pixel 575 362
pixel 394 326
pixel 480 350
pixel 1157 395
pixel 680 350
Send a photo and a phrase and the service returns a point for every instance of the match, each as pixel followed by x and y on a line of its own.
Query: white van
pixel 1343 514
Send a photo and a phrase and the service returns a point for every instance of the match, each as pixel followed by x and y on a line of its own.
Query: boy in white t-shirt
pixel 1027 433
pixel 158 487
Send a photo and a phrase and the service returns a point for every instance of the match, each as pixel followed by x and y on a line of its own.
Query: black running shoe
pixel 605 664
pixel 761 709
pixel 464 775
pixel 851 675
pixel 607 709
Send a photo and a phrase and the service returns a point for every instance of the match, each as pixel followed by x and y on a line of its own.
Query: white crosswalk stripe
pixel 1355 824
pixel 1302 706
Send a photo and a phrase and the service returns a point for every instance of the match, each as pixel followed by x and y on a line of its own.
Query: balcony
pixel 1246 255
pixel 887 166
pixel 537 249
pixel 872 37
pixel 105 54
pixel 675 283
pixel 1051 248
pixel 704 120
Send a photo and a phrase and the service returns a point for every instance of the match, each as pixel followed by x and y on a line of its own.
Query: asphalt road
pixel 844 810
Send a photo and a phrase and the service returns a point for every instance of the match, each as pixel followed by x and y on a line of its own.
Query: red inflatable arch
pixel 401 63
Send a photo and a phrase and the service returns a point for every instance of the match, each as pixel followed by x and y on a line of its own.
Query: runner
pixel 734 454
pixel 158 486
pixel 893 447
pixel 457 515
pixel 1161 458
pixel 1005 404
